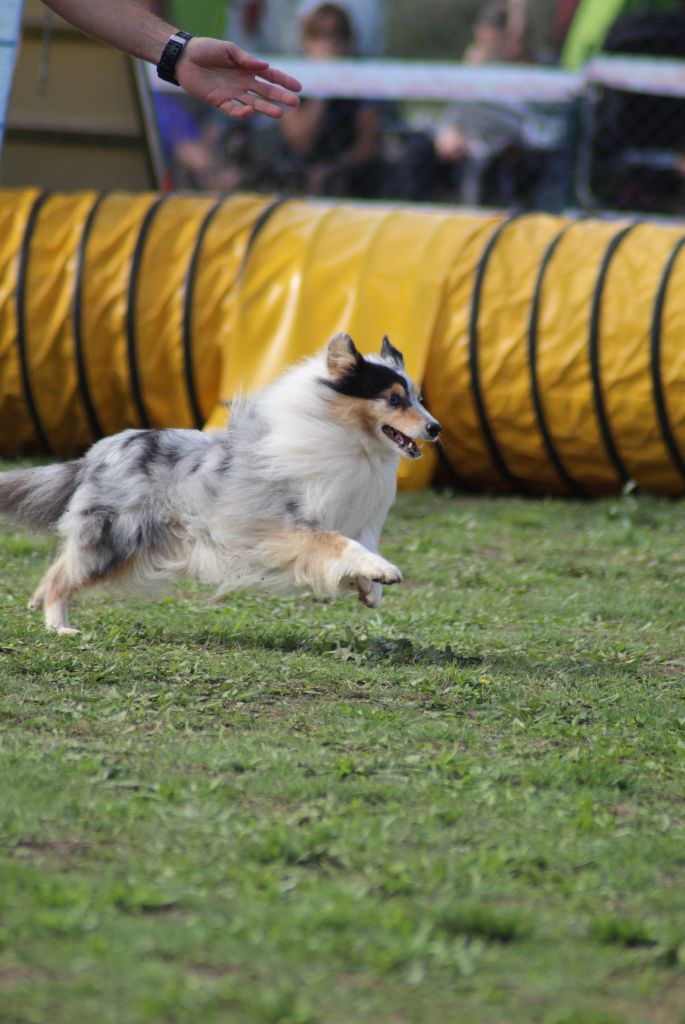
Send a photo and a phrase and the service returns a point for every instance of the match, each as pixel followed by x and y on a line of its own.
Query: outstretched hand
pixel 221 74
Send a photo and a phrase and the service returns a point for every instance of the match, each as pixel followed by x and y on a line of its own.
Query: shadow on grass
pixel 482 922
pixel 363 649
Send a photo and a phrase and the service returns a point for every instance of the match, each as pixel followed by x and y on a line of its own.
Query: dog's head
pixel 375 394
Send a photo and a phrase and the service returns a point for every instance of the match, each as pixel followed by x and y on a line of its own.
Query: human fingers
pixel 237 110
pixel 278 77
pixel 270 109
pixel 253 102
pixel 266 73
pixel 274 93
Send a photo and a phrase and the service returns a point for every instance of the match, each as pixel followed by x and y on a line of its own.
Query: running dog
pixel 294 492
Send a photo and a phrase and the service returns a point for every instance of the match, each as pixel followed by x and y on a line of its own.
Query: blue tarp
pixel 10 22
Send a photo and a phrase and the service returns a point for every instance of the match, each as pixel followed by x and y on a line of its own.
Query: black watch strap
pixel 166 69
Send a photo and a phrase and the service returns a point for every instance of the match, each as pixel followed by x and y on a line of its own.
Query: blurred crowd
pixel 611 148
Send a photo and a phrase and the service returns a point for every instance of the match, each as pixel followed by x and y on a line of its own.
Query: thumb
pixel 244 59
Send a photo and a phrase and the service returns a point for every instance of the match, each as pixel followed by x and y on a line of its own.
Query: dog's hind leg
pixel 54 592
pixel 36 600
pixel 38 596
pixel 326 561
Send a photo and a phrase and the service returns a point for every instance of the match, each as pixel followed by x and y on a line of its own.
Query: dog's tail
pixel 36 498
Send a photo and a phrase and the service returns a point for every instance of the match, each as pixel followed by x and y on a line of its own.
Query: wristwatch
pixel 166 69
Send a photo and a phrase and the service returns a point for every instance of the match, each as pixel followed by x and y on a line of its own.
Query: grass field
pixel 466 807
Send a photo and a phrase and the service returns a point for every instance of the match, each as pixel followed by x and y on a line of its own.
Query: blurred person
pixel 500 35
pixel 333 145
pixel 638 159
pixel 215 71
pixel 480 160
pixel 193 139
pixel 273 26
pixel 188 130
pixel 368 21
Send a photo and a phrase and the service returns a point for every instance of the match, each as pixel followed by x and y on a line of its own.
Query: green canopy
pixel 591 24
pixel 201 17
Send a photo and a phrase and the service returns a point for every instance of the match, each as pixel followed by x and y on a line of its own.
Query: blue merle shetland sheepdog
pixel 294 492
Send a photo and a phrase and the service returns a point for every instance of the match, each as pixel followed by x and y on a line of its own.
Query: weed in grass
pixel 622 932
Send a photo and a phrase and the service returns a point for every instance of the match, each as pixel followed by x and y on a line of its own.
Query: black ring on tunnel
pixel 77 322
pixel 20 298
pixel 496 455
pixel 132 296
pixel 571 483
pixel 188 299
pixel 657 378
pixel 593 342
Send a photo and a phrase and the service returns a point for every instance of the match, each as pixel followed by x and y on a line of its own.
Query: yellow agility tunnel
pixel 549 348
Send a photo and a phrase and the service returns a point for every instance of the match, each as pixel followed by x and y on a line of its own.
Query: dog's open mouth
pixel 404 443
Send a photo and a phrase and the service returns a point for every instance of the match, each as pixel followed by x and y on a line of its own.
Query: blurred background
pixel 533 104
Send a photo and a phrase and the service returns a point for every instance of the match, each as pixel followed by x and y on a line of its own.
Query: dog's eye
pixel 394 400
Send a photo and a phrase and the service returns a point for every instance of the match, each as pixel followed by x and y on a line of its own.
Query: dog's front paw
pixel 370 593
pixel 378 570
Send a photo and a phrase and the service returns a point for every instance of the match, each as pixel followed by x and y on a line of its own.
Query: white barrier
pixel 656 76
pixel 385 79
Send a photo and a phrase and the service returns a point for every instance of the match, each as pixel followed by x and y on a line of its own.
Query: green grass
pixel 466 807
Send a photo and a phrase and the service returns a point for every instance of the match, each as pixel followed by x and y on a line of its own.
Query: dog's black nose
pixel 433 429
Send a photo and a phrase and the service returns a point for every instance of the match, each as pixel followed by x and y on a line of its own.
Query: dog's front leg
pixel 370 593
pixel 326 561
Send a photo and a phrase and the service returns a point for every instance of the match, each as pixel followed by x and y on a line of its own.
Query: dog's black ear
pixel 342 357
pixel 391 354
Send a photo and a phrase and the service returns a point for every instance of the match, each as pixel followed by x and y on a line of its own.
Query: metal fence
pixel 505 132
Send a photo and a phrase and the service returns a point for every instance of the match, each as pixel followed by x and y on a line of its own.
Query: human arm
pixel 212 70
